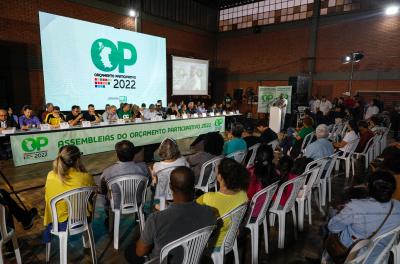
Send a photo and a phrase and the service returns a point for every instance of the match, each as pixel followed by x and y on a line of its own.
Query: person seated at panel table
pixel 124 112
pixel 181 217
pixel 75 117
pixel 91 115
pixel 236 142
pixel 183 109
pixel 267 134
pixel 233 181
pixel 191 109
pixel 68 173
pixel 27 119
pixel 201 108
pixel 126 165
pixel 160 107
pixel 213 144
pixel 6 121
pixel 55 117
pixel 322 147
pixel 365 135
pixel 136 112
pixel 173 110
pixel 150 113
pixel 49 109
pixel 110 115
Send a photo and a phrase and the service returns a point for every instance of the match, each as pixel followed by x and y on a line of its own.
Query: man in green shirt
pixel 124 112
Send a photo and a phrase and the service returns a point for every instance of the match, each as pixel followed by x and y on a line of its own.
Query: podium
pixel 275 118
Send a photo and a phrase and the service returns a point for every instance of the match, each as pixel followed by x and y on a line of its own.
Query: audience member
pixel 49 109
pixel 374 124
pixel 124 112
pixel 68 173
pixel 55 117
pixel 75 117
pixel 110 115
pixel 91 115
pixel 365 135
pixel 233 181
pixel 314 104
pixel 213 144
pixel 299 136
pixel 267 134
pixel 236 143
pixel 325 105
pixel 181 217
pixel 27 119
pixel 285 174
pixel 322 147
pixel 379 103
pixel 349 137
pixel 248 136
pixel 391 163
pixel 372 109
pixel 355 220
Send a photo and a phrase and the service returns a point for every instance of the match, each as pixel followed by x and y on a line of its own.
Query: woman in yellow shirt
pixel 68 173
pixel 233 180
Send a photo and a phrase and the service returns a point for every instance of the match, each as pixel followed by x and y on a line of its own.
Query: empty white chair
pixel 375 152
pixel 273 144
pixel 289 206
pixel 193 246
pixel 163 192
pixel 210 168
pixel 396 250
pixel 6 235
pixel 326 182
pixel 239 156
pixel 266 195
pixel 77 201
pixel 364 153
pixel 252 151
pixel 346 156
pixel 129 188
pixel 234 219
pixel 384 138
pixel 312 173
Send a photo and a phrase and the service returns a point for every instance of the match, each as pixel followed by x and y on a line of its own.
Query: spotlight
pixel 392 10
pixel 132 13
pixel 346 59
pixel 357 56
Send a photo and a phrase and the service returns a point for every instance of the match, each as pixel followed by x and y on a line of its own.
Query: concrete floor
pixel 308 245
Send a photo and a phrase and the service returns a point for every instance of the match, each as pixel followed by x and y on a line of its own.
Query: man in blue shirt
pixel 322 147
pixel 236 143
pixel 28 120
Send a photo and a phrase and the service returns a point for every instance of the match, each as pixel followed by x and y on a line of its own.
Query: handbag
pixel 339 252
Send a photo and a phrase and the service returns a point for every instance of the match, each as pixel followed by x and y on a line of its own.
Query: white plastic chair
pixel 233 219
pixel 383 141
pixel 375 152
pixel 6 235
pixel 211 167
pixel 193 246
pixel 306 141
pixel 127 187
pixel 346 156
pixel 396 250
pixel 273 144
pixel 312 173
pixel 266 194
pixel 252 151
pixel 239 156
pixel 77 201
pixel 163 192
pixel 297 182
pixel 365 153
pixel 326 182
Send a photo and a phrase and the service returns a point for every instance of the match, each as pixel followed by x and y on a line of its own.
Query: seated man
pixel 91 115
pixel 28 120
pixel 322 147
pixel 124 112
pixel 75 117
pixel 236 143
pixel 55 117
pixel 248 136
pixel 6 121
pixel 267 134
pixel 125 165
pixel 150 113
pixel 182 217
pixel 110 115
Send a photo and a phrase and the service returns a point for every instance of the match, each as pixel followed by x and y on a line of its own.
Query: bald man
pixel 182 217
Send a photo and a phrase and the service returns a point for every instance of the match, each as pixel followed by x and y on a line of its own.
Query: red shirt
pixel 364 138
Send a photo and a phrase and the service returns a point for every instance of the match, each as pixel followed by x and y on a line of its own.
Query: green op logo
pixel 106 56
pixel 34 144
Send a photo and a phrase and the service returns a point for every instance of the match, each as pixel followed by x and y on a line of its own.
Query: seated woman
pixel 233 181
pixel 236 142
pixel 213 144
pixel 262 174
pixel 374 125
pixel 68 173
pixel 173 110
pixel 359 218
pixel 350 136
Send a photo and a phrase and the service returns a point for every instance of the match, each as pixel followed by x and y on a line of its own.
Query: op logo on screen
pixel 107 56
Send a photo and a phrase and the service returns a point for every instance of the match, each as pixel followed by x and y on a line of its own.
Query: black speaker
pixel 299 90
pixel 238 95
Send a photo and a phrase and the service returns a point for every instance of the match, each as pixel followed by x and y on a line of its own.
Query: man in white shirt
pixel 314 104
pixel 150 113
pixel 282 104
pixel 372 109
pixel 325 105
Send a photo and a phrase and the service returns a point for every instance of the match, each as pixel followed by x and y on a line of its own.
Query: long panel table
pixel 34 146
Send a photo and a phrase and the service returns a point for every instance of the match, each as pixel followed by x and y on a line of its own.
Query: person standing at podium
pixel 282 104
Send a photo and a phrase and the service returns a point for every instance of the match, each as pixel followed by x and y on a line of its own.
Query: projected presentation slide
pixel 86 63
pixel 189 76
